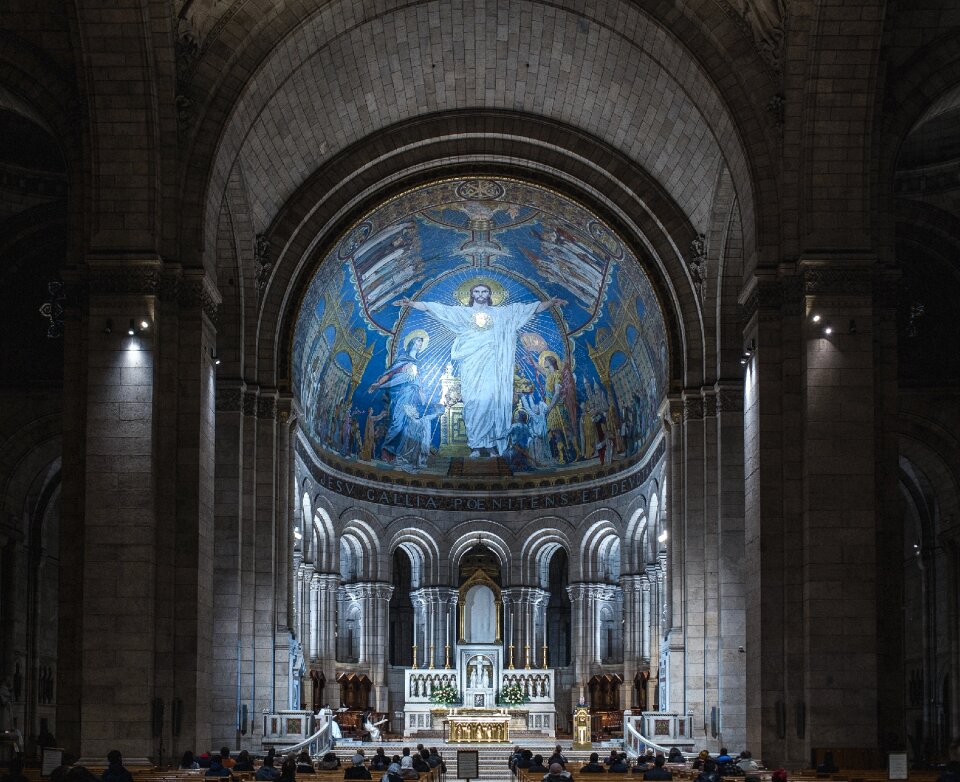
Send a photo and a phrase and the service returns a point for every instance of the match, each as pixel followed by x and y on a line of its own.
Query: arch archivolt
pixel 601 529
pixel 325 551
pixel 363 540
pixel 421 546
pixel 540 540
pixel 496 537
pixel 654 79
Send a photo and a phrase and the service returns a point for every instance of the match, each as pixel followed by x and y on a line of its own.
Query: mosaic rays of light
pixel 479 327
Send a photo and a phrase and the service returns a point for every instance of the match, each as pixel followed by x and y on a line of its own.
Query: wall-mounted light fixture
pixel 214 357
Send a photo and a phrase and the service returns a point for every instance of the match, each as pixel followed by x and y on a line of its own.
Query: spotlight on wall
pixel 662 537
pixel 131 329
pixel 144 325
pixel 815 318
pixel 108 327
pixel 214 357
pixel 828 329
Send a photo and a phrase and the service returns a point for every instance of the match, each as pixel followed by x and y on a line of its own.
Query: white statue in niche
pixel 480 615
pixel 480 679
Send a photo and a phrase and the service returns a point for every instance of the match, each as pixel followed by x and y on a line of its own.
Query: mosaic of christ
pixel 480 327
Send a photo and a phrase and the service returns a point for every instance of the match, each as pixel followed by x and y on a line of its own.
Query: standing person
pixel 485 345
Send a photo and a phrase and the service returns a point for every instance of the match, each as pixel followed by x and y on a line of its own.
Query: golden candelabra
pixel 431 657
pixel 526 656
pixel 446 661
pixel 544 655
pixel 414 656
pixel 511 657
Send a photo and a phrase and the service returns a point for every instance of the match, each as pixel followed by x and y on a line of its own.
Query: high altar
pixel 478 669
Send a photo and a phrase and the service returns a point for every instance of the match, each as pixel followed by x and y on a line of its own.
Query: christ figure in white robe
pixel 485 346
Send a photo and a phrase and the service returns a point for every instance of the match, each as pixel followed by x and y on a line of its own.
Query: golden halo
pixel 541 359
pixel 497 292
pixel 412 335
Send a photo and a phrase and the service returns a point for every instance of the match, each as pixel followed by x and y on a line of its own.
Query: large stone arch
pixel 725 72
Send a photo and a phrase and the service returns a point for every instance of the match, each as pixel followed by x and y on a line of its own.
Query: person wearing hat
pixel 357 770
pixel 557 774
pixel 407 771
pixel 392 774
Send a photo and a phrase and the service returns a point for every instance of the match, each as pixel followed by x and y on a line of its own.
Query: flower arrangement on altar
pixel 513 695
pixel 444 695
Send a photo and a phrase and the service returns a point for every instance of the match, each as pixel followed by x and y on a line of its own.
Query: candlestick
pixel 414 656
pixel 544 655
pixel 526 656
pixel 431 656
pixel 511 657
pixel 446 662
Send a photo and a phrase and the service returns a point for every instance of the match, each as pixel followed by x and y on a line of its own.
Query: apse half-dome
pixel 479 332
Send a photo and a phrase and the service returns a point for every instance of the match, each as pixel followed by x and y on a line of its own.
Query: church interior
pixel 529 358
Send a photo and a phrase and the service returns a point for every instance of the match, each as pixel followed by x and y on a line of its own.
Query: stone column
pixel 731 642
pixel 950 538
pixel 326 659
pixel 633 622
pixel 582 632
pixel 120 467
pixel 313 648
pixel 375 609
pixel 510 620
pixel 840 516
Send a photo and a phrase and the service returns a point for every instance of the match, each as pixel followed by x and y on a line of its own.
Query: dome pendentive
pixel 479 330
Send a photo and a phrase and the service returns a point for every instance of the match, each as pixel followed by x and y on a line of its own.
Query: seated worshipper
pixel 420 762
pixel 216 768
pixel 612 757
pixel 620 765
pixel 557 773
pixel 526 759
pixel 675 756
pixel 188 761
pixel 407 771
pixel 723 757
pixel 747 763
pixel 828 766
pixel 225 760
pixel 357 770
pixel 780 775
pixel 658 771
pixel 244 762
pixel 435 760
pixel 288 770
pixel 380 760
pixel 267 772
pixel 698 763
pixel 115 772
pixel 514 757
pixel 557 757
pixel 536 766
pixel 327 763
pixel 709 773
pixel 392 774
pixel 593 765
